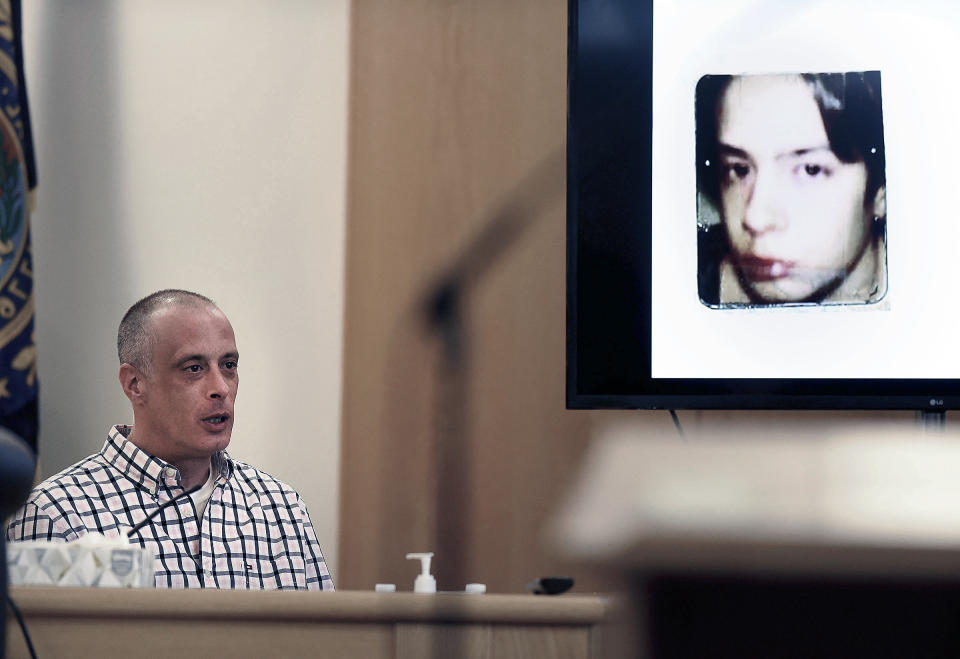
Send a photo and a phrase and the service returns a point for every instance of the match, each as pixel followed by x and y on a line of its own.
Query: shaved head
pixel 134 338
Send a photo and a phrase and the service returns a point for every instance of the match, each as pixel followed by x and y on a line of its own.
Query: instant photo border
pixel 609 257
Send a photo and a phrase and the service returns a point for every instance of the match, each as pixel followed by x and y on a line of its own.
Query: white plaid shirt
pixel 255 532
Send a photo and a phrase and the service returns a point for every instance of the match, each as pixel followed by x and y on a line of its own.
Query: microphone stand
pixel 443 307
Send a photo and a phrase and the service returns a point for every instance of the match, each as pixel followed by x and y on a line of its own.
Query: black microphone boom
pixel 165 504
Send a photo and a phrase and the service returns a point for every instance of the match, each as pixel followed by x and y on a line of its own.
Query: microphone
pixel 550 585
pixel 17 467
pixel 165 504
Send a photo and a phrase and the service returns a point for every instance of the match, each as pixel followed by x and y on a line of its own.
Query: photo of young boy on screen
pixel 791 190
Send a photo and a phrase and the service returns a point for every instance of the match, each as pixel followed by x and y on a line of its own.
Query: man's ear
pixel 131 380
pixel 879 206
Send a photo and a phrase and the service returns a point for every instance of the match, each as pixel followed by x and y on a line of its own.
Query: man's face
pixel 190 384
pixel 795 214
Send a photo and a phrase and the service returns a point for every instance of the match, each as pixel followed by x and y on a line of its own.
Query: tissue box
pixel 88 561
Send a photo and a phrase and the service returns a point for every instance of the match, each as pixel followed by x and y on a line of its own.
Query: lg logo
pixel 936 403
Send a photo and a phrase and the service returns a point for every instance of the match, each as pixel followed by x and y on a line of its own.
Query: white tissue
pixel 54 560
pixel 91 560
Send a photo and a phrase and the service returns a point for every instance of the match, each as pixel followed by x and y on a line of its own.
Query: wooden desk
pixel 105 622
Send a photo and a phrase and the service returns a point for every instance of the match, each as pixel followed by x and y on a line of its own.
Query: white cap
pixel 424 583
pixel 476 588
pixel 385 588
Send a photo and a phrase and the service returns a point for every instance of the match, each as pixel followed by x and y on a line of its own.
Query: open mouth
pixel 216 420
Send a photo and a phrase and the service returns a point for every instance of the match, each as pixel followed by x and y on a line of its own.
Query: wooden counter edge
pixel 210 604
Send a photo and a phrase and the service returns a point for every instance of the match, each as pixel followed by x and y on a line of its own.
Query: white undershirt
pixel 202 496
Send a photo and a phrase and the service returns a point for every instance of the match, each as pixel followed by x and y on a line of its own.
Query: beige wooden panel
pixel 513 642
pixel 453 105
pixel 492 642
pixel 73 637
pixel 63 638
pixel 68 622
pixel 438 641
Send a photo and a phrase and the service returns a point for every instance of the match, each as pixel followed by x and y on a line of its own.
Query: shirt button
pixel 169 472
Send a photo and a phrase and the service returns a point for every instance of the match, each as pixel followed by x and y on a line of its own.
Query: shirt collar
pixel 147 471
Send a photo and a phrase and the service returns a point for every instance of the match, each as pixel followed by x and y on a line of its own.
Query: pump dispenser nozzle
pixel 425 582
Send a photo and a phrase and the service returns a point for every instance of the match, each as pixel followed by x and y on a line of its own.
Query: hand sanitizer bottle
pixel 425 582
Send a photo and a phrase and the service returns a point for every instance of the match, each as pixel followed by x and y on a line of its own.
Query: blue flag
pixel 18 350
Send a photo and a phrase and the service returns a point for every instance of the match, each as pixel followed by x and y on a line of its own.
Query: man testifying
pixel 241 528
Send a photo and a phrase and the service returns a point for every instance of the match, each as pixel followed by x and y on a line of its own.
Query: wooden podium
pixel 843 546
pixel 106 622
pixel 725 598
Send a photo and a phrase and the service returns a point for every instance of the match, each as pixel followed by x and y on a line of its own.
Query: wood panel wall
pixel 458 111
pixel 457 124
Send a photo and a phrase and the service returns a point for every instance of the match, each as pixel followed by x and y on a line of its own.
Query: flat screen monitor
pixel 762 205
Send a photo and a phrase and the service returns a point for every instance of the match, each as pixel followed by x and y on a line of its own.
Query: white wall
pixel 197 144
